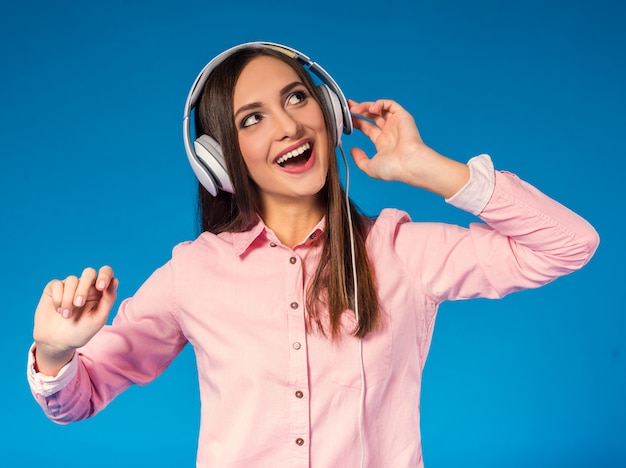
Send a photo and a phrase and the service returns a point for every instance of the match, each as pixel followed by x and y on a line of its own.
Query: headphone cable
pixel 356 306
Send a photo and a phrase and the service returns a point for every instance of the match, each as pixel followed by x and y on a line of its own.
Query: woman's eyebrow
pixel 255 105
pixel 247 107
pixel 286 89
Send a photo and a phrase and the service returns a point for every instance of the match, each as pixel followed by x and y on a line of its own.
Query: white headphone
pixel 205 154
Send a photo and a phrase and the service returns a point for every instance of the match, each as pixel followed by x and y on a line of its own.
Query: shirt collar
pixel 244 241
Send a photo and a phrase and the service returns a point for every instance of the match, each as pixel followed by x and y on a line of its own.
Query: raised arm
pixel 530 238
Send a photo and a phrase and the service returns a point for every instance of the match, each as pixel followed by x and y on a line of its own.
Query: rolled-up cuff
pixel 45 385
pixel 475 195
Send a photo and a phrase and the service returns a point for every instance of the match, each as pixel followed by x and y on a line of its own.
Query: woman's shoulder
pixel 205 242
pixel 387 221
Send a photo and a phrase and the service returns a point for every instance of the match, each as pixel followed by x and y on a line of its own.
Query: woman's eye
pixel 250 120
pixel 297 97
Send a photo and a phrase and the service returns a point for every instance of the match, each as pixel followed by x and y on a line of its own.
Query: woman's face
pixel 281 131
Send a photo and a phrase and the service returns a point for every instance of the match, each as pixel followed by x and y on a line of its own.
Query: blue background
pixel 94 172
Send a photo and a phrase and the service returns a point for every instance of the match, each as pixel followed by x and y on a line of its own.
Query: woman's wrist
pixel 437 173
pixel 49 360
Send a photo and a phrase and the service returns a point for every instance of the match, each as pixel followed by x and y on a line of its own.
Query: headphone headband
pixel 210 167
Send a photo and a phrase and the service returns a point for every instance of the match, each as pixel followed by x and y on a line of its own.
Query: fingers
pixel 105 276
pixel 360 159
pixel 362 110
pixel 382 106
pixel 55 290
pixel 87 279
pixel 69 289
pixel 369 129
pixel 73 293
pixel 376 111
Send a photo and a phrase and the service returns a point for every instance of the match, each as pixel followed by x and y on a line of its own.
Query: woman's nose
pixel 287 126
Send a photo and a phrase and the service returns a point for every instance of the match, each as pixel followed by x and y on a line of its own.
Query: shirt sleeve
pixel 525 240
pixel 144 337
pixel 44 385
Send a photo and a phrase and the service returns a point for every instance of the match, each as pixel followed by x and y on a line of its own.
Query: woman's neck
pixel 292 222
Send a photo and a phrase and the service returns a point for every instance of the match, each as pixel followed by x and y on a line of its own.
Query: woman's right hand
pixel 69 314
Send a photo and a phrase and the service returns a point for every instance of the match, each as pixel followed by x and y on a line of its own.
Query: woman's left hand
pixel 394 134
pixel 401 154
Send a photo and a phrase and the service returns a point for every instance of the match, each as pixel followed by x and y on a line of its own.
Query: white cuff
pixel 475 195
pixel 45 385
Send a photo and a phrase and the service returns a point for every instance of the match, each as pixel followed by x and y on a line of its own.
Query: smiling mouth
pixel 296 157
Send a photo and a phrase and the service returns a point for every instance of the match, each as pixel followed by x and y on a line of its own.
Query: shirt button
pixel 297 345
pixel 272 244
pixel 292 260
pixel 314 235
pixel 299 394
pixel 300 441
pixel 294 305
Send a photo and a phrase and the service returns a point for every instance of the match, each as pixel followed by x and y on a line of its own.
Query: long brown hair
pixel 332 285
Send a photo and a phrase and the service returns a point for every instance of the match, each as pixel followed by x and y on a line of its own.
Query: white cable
pixel 356 307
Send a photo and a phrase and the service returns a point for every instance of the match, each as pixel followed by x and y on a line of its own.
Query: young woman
pixel 310 322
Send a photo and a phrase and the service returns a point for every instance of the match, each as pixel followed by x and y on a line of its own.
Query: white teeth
pixel 294 153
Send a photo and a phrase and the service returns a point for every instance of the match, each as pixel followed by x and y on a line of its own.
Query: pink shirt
pixel 274 394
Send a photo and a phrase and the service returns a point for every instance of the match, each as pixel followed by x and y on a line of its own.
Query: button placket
pixel 298 380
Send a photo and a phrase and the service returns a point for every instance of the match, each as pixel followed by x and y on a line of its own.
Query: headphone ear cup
pixel 209 154
pixel 331 101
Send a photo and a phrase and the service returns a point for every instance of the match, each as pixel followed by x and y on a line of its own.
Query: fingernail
pixel 102 284
pixel 66 313
pixel 78 302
